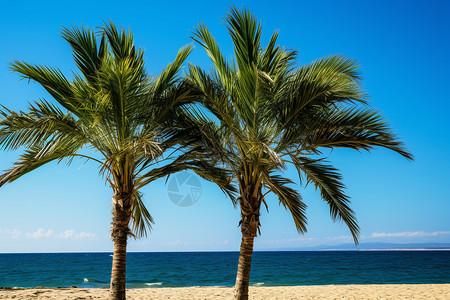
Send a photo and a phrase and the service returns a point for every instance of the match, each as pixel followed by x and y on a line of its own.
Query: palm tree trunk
pixel 249 226
pixel 244 266
pixel 119 233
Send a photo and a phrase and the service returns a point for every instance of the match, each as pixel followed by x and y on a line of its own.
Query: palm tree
pixel 271 114
pixel 113 108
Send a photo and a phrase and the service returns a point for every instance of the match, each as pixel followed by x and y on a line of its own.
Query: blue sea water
pixel 219 268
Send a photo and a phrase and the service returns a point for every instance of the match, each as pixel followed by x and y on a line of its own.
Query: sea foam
pixel 154 283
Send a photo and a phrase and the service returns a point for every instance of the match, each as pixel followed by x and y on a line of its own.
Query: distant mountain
pixel 372 246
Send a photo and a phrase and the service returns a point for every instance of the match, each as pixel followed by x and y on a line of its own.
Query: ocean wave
pixel 153 283
pixel 92 280
pixel 258 284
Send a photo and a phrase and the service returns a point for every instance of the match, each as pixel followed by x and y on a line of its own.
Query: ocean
pixel 153 270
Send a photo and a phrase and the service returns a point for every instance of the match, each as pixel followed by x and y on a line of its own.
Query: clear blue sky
pixel 402 46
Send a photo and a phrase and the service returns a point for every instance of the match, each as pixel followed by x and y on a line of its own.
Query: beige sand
pixel 392 291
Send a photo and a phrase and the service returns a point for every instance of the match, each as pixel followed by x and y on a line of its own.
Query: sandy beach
pixel 391 291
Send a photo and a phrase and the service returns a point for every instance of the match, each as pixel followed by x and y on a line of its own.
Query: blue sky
pixel 403 48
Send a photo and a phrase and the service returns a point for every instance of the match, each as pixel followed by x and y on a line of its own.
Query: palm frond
pixel 42 122
pixel 36 157
pixel 327 179
pixel 355 129
pixel 290 199
pixel 51 79
pixel 88 53
pixel 141 218
pixel 168 75
pixel 207 41
pixel 323 83
pixel 245 31
pixel 202 168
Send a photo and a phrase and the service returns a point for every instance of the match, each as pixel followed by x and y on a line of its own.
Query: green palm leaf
pixel 290 199
pixel 327 179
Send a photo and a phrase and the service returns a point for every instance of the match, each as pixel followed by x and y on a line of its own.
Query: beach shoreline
pixel 375 291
